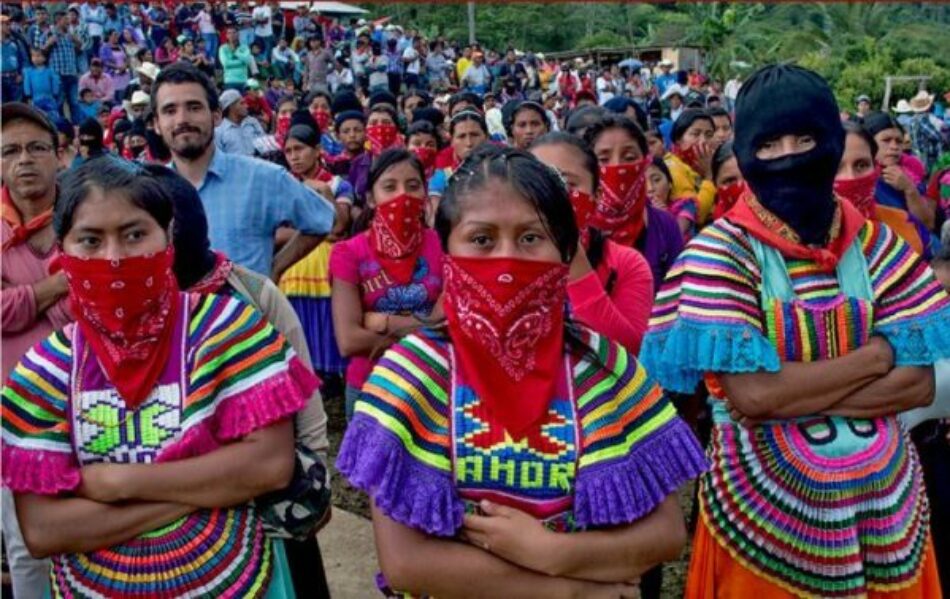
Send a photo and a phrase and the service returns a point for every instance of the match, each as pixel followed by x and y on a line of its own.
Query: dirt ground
pixel 352 500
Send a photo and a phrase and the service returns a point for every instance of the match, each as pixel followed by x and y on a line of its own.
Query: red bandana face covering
pixel 727 196
pixel 426 156
pixel 688 155
pixel 859 191
pixel 283 128
pixel 584 206
pixel 323 118
pixel 623 200
pixel 126 310
pixel 506 320
pixel 381 137
pixel 395 235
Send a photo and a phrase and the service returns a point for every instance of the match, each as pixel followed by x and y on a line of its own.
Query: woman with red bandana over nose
pixel 204 382
pixel 512 452
pixel 856 182
pixel 812 327
pixel 728 179
pixel 385 281
pixel 610 287
pixel 623 213
pixel 689 162
pixel 319 103
pixel 422 139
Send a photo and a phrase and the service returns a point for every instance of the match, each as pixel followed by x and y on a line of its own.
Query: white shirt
pixel 267 29
pixel 205 24
pixel 732 88
pixel 337 78
pixel 605 89
pixel 411 54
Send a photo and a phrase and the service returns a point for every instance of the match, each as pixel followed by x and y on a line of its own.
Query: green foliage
pixel 853 45
pixel 603 39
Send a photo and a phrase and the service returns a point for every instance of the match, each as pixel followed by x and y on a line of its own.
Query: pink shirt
pixel 102 88
pixel 353 261
pixel 623 314
pixel 22 326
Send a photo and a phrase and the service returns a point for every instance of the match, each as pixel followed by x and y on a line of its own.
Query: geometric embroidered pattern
pixel 107 432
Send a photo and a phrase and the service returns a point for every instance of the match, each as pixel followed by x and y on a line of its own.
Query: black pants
pixel 306 568
pixel 395 83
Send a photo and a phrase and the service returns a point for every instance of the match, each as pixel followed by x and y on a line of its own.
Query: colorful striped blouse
pixel 230 374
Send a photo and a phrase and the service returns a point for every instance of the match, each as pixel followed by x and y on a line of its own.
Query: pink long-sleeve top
pixel 22 326
pixel 624 312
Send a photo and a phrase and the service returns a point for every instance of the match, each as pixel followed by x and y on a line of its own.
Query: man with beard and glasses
pixel 34 301
pixel 246 199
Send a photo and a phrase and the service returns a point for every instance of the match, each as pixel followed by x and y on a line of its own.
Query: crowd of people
pixel 548 293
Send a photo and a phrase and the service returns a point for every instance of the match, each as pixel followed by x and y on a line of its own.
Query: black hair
pixel 385 161
pixel 415 93
pixel 65 128
pixel 686 120
pixel 194 258
pixel 385 108
pixel 468 115
pixel 615 121
pixel 283 99
pixel 723 153
pixel 876 122
pixel 863 133
pixel 184 72
pixel 141 52
pixel 582 118
pixel 714 111
pixel 536 182
pixel 526 105
pixel 467 97
pixel 424 128
pixel 390 158
pixel 595 250
pixel 109 173
pixel 658 162
pixel 347 115
pixel 317 93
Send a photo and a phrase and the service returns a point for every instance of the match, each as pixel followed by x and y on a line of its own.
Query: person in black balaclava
pixel 788 143
pixel 90 141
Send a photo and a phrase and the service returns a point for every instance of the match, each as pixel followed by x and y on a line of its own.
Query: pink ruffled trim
pixel 262 405
pixel 38 471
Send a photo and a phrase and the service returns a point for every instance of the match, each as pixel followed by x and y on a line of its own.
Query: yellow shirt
pixel 687 183
pixel 461 66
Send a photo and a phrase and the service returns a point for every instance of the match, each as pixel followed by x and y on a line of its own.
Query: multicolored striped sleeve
pixel 397 447
pixel 707 317
pixel 911 309
pixel 37 453
pixel 635 450
pixel 243 375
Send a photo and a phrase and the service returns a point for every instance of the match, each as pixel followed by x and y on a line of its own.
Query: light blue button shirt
pixel 246 199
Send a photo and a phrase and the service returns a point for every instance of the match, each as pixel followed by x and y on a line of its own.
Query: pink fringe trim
pixel 262 405
pixel 38 471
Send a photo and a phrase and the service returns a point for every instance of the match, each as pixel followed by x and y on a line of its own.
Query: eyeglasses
pixel 36 149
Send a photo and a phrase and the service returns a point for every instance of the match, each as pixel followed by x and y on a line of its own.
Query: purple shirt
pixel 353 261
pixel 359 176
pixel 660 243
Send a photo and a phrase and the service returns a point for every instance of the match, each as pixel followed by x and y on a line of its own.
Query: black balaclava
pixel 193 256
pixel 91 128
pixel 781 100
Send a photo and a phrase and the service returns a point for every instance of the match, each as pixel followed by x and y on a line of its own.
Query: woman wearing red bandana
pixel 610 287
pixel 690 164
pixel 856 182
pixel 422 139
pixel 386 280
pixel 623 213
pixel 159 415
pixel 511 452
pixel 467 131
pixel 813 328
pixel 382 130
pixel 729 182
pixel 307 283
